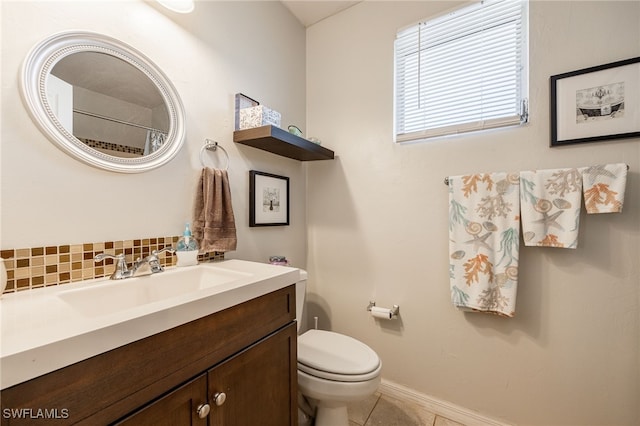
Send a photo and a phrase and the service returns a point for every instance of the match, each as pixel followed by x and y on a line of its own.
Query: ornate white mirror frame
pixel 34 80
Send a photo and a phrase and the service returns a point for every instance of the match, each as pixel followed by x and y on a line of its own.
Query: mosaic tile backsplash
pixel 53 265
pixel 112 146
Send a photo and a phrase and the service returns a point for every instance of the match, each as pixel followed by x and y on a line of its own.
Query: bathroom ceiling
pixel 110 76
pixel 309 12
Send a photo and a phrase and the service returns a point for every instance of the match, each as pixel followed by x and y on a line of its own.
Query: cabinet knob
pixel 203 410
pixel 219 398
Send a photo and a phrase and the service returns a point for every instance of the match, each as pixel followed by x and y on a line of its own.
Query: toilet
pixel 333 369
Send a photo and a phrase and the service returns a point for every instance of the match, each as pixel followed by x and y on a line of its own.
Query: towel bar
pixel 210 145
pixel 446 180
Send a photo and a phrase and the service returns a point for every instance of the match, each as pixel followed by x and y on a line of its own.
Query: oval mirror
pixel 103 102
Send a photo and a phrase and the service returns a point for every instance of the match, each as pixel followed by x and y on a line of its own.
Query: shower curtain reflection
pixel 155 140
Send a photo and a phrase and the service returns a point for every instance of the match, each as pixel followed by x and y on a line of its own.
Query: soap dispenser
pixel 187 249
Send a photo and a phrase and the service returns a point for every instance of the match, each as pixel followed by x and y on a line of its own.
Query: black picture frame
pixel 268 199
pixel 596 104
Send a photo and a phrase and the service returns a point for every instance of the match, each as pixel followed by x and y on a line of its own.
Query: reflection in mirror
pixel 103 102
pixel 108 104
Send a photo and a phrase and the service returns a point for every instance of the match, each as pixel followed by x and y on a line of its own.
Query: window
pixel 463 71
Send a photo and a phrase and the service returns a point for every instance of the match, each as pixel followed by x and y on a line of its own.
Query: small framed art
pixel 596 104
pixel 268 199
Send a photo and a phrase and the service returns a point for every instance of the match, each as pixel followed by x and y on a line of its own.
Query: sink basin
pixel 109 296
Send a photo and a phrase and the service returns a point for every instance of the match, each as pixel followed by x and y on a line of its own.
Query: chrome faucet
pixel 146 266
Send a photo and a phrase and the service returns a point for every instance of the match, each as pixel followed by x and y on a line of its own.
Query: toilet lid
pixel 335 356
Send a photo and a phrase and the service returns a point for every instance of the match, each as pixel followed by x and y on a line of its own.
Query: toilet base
pixel 331 398
pixel 328 414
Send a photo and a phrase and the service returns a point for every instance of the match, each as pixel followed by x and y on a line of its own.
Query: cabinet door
pixel 259 385
pixel 187 405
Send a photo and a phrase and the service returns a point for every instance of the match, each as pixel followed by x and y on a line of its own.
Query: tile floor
pixel 381 410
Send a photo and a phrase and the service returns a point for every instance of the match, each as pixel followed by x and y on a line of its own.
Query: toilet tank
pixel 301 290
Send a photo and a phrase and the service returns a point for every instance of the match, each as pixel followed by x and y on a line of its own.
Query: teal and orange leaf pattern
pixel 459 297
pixel 527 191
pixel 509 246
pixel 551 240
pixel 484 222
pixel 601 195
pixel 470 183
pixel 550 202
pixel 479 264
pixel 456 214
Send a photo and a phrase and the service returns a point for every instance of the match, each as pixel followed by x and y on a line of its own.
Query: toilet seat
pixel 334 356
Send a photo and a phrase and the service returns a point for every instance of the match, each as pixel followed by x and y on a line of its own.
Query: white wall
pixel 257 48
pixel 378 222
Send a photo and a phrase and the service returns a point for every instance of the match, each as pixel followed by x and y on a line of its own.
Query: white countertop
pixel 40 332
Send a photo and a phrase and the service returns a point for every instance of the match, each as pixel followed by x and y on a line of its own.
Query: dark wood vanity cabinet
pixel 235 367
pixel 181 406
pixel 256 384
pixel 251 388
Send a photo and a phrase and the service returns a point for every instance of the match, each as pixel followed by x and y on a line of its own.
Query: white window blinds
pixel 463 71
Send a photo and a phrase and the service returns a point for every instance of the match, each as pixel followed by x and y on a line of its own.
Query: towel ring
pixel 210 145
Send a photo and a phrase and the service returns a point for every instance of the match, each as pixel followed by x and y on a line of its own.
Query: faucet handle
pixel 121 264
pixel 154 261
pixel 120 258
pixel 167 249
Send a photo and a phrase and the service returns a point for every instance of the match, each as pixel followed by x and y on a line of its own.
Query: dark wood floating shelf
pixel 278 141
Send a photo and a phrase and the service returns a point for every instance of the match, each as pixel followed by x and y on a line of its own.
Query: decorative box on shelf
pixel 258 116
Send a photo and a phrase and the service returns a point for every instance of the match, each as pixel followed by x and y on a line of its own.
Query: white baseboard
pixel 437 406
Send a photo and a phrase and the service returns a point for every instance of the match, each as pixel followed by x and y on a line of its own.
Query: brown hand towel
pixel 214 226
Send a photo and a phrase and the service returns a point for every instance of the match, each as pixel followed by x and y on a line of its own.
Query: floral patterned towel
pixel 484 242
pixel 550 204
pixel 603 187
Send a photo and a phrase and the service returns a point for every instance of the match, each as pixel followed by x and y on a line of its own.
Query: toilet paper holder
pixel 393 312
